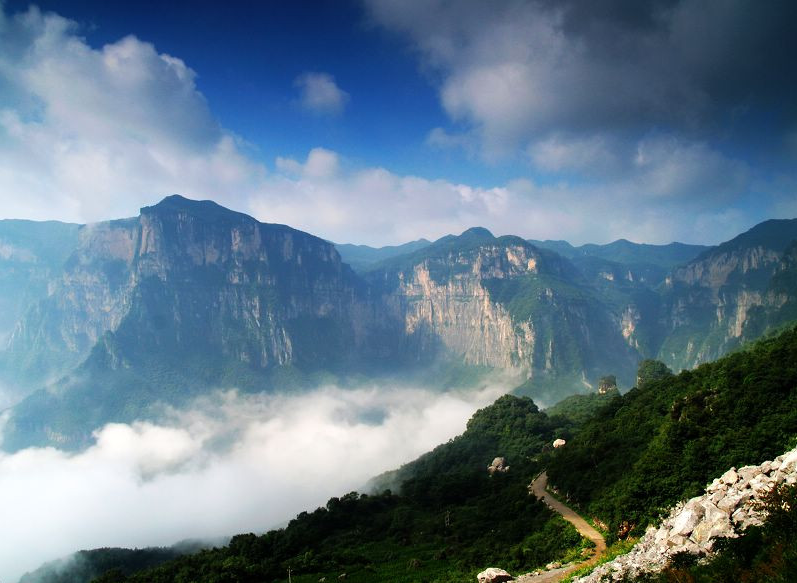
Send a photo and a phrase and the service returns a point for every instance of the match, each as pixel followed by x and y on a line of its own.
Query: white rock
pixel 729 503
pixel 789 460
pixel 493 575
pixel 687 520
pixel 730 476
pixel 748 472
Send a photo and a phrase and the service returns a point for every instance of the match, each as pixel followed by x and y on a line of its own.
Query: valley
pixel 190 297
pixel 203 328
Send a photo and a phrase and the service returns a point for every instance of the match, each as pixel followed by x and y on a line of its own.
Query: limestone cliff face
pixel 188 275
pixel 710 301
pixel 501 302
pixel 455 312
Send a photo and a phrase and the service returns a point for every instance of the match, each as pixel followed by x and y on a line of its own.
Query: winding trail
pixel 539 488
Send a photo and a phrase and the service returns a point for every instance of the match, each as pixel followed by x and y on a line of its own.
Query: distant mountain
pixel 626 252
pixel 730 293
pixel 105 321
pixel 186 296
pixel 361 257
pixel 502 302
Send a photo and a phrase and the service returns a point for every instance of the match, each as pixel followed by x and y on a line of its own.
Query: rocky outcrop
pixel 498 465
pixel 447 309
pixel 730 505
pixel 503 303
pixel 493 575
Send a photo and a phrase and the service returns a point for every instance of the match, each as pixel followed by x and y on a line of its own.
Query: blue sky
pixel 381 121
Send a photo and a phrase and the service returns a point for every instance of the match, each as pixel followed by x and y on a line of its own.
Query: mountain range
pixel 103 322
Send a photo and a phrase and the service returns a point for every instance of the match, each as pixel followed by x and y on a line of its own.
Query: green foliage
pixel 106 565
pixel 664 442
pixel 651 371
pixel 578 409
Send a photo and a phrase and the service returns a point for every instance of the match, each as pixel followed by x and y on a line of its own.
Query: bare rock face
pixel 734 284
pixel 730 504
pixel 494 575
pixel 501 302
pixel 252 289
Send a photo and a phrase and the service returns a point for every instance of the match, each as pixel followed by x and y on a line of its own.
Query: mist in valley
pixel 229 463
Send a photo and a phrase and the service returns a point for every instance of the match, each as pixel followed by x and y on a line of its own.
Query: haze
pixel 232 463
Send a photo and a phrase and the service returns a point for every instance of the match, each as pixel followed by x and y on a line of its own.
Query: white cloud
pixel 89 134
pixel 232 463
pixel 590 155
pixel 319 94
pixel 515 72
pixel 632 196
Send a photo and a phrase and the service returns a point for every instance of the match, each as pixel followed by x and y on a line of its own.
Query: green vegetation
pixel 656 445
pixel 617 548
pixel 578 409
pixel 87 565
pixel 651 371
pixel 628 253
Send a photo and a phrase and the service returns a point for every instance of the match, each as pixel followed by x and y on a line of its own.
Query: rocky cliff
pixel 504 303
pixel 192 275
pixel 189 294
pixel 710 300
pixel 731 503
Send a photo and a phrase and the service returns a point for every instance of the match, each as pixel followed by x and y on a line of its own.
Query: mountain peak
pixel 479 232
pixel 206 209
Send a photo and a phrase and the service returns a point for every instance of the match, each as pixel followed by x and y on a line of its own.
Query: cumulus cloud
pixel 319 94
pixel 87 134
pixel 633 193
pixel 519 70
pixel 232 463
pixel 90 134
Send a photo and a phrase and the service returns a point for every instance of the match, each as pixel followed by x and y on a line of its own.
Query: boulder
pixel 498 465
pixel 730 477
pixel 559 443
pixel 687 520
pixel 494 575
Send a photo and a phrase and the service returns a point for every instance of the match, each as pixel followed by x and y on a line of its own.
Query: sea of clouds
pixel 230 463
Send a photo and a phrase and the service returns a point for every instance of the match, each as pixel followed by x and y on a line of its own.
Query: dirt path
pixel 539 488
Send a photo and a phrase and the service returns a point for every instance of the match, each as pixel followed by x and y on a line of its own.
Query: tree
pixel 650 371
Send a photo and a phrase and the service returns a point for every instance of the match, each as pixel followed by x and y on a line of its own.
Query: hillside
pixel 362 257
pixel 653 446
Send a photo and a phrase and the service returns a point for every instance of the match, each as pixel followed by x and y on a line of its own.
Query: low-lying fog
pixel 232 463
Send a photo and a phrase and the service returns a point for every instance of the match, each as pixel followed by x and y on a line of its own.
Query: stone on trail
pixel 494 575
